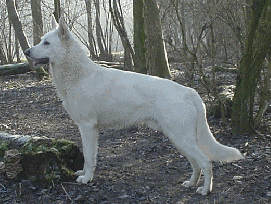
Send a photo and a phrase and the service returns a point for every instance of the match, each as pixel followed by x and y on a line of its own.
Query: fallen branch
pixel 66 192
pixel 2 186
pixel 22 68
pixel 12 69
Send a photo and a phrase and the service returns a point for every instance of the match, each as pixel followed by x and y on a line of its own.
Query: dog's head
pixel 51 47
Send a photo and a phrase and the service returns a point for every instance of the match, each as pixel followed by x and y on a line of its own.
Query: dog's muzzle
pixel 36 62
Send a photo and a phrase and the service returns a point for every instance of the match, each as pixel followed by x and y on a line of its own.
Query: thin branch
pixel 69 197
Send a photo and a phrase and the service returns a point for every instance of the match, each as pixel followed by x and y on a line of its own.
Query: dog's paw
pixel 187 184
pixel 79 173
pixel 83 179
pixel 202 191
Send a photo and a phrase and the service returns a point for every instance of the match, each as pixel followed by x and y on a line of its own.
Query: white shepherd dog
pixel 98 97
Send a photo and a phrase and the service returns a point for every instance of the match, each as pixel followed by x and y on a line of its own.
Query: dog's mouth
pixel 40 61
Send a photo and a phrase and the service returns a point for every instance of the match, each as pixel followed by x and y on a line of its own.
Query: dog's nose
pixel 27 52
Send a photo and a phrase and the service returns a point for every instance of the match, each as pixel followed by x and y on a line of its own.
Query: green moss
pixel 4 146
pixel 45 159
pixel 52 176
pixel 36 145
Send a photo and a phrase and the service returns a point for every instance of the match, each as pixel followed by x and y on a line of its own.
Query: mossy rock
pixel 47 160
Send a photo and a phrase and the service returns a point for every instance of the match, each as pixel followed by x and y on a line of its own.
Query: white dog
pixel 98 97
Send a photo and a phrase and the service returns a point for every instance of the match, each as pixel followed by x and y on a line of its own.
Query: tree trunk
pixel 17 50
pixel 139 37
pixel 118 22
pixel 90 33
pixel 9 50
pixel 257 43
pixel 265 94
pixel 156 55
pixel 99 34
pixel 3 57
pixel 37 21
pixel 17 25
pixel 57 10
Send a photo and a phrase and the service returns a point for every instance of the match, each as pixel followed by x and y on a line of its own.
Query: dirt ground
pixel 135 165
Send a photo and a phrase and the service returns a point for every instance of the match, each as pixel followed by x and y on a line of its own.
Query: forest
pixel 220 48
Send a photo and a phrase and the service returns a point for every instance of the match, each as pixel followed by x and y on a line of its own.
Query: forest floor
pixel 136 164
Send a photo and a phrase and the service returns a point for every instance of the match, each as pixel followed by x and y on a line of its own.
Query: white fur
pixel 97 97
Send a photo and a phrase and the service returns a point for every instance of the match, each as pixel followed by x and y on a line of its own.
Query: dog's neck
pixel 68 70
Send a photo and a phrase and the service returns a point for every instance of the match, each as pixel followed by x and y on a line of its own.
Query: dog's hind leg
pixel 208 179
pixel 186 143
pixel 202 163
pixel 89 134
pixel 196 174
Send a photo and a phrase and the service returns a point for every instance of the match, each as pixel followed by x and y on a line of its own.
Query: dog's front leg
pixel 89 134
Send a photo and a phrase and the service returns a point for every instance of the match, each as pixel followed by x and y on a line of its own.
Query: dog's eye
pixel 46 43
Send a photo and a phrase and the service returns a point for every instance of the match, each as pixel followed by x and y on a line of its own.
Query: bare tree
pixel 104 55
pixel 37 21
pixel 17 25
pixel 57 11
pixel 155 47
pixel 139 37
pixel 6 51
pixel 91 42
pixel 17 50
pixel 9 45
pixel 257 44
pixel 3 57
pixel 265 94
pixel 117 17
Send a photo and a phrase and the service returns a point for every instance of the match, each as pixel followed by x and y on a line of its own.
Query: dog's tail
pixel 206 141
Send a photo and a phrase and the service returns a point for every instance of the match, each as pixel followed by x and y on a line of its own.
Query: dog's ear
pixel 53 22
pixel 63 30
